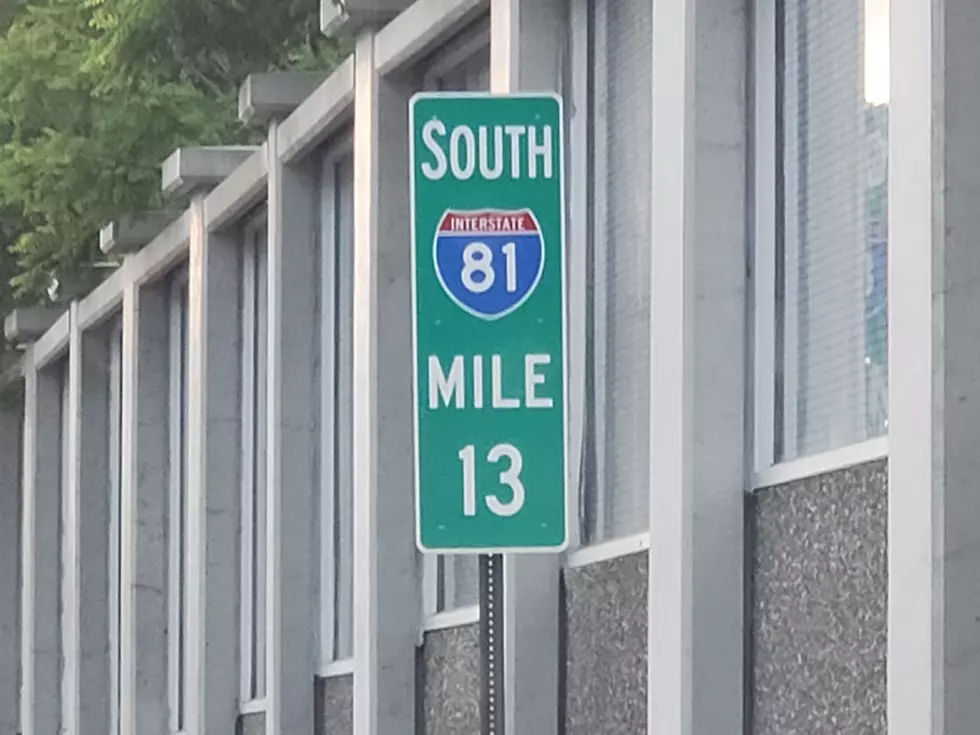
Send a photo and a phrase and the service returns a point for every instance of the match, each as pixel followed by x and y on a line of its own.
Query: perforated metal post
pixel 492 642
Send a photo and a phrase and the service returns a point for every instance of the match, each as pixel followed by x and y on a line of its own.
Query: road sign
pixel 488 294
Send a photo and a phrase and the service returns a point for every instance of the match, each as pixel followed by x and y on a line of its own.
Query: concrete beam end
pixel 26 325
pixel 346 18
pixel 274 95
pixel 190 169
pixel 129 234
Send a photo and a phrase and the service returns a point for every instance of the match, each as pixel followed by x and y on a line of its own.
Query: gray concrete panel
pixel 820 604
pixel 606 647
pixel 10 551
pixel 143 629
pixel 40 609
pixel 214 489
pixel 452 681
pixel 335 704
pixel 292 439
pixel 386 575
pixel 93 496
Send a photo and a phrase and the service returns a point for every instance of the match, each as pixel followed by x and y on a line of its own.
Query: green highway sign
pixel 488 294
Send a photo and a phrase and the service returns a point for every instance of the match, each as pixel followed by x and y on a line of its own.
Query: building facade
pixel 206 503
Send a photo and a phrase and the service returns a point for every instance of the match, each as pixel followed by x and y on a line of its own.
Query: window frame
pixel 252 353
pixel 332 383
pixel 768 135
pixel 177 561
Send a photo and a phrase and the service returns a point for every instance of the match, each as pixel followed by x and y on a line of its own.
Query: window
pixel 822 239
pixel 617 65
pixel 254 410
pixel 336 247
pixel 177 506
pixel 453 581
pixel 115 518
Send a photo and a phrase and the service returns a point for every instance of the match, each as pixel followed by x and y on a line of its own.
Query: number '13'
pixel 511 477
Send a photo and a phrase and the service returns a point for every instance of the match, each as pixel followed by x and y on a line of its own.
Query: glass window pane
pixel 115 513
pixel 831 328
pixel 344 483
pixel 259 497
pixel 620 69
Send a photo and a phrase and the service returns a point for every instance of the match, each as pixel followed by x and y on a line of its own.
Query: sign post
pixel 489 342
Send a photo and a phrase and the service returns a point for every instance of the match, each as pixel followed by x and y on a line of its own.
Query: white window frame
pixel 177 521
pixel 115 520
pixel 333 263
pixel 252 236
pixel 767 471
pixel 437 584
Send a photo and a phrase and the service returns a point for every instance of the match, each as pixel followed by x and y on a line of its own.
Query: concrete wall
pixel 606 647
pixel 820 603
pixel 10 519
pixel 451 691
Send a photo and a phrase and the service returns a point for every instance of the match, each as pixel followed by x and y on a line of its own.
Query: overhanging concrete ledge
pixel 272 95
pixel 344 19
pixel 129 234
pixel 27 325
pixel 201 167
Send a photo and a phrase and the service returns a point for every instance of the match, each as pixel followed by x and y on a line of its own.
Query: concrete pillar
pixel 213 492
pixel 291 600
pixel 695 658
pixel 40 698
pixel 386 576
pixel 934 369
pixel 85 525
pixel 143 555
pixel 10 551
pixel 527 39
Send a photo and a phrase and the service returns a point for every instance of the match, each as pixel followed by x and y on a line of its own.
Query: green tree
pixel 94 94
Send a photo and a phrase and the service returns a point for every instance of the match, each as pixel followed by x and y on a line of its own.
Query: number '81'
pixel 478 273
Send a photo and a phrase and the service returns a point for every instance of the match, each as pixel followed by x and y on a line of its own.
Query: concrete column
pixel 143 546
pixel 386 576
pixel 934 369
pixel 697 458
pixel 527 38
pixel 213 492
pixel 10 551
pixel 40 697
pixel 86 537
pixel 291 601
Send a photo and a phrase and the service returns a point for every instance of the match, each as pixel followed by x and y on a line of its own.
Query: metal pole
pixel 492 643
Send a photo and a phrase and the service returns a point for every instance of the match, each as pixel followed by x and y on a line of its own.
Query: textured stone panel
pixel 820 603
pixel 252 724
pixel 335 705
pixel 606 656
pixel 452 681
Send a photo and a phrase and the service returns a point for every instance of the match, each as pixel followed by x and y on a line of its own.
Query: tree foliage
pixel 94 94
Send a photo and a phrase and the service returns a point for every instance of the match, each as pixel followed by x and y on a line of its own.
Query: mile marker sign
pixel 488 293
